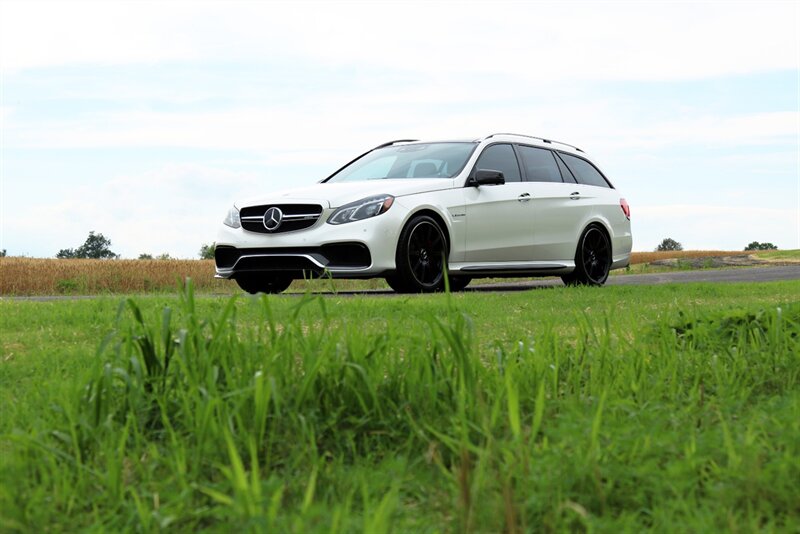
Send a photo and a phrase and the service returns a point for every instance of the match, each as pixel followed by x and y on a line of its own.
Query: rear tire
pixel 421 257
pixel 592 259
pixel 263 282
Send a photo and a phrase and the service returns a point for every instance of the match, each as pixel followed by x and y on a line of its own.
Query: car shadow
pixel 502 287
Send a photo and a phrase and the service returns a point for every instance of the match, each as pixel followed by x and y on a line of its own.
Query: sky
pixel 145 120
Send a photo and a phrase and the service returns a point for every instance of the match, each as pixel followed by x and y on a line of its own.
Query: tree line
pixel 98 247
pixel 669 244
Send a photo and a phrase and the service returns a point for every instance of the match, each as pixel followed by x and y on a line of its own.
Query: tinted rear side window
pixel 500 158
pixel 565 172
pixel 540 164
pixel 584 171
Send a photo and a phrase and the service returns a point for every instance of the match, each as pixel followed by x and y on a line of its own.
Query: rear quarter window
pixel 584 172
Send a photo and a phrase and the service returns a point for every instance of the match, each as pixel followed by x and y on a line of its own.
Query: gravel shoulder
pixel 735 260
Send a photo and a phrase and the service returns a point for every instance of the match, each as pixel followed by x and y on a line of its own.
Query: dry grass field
pixel 34 276
pixel 42 276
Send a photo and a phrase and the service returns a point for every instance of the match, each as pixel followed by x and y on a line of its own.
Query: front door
pixel 499 217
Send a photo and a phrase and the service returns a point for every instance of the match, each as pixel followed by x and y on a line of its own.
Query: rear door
pixel 596 196
pixel 557 201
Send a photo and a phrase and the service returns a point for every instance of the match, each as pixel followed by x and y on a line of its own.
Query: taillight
pixel 625 208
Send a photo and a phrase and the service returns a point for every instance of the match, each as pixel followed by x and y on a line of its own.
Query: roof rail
pixel 389 143
pixel 548 141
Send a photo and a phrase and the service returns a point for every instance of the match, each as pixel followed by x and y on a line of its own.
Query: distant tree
pixel 96 246
pixel 3 253
pixel 207 251
pixel 164 256
pixel 145 256
pixel 755 245
pixel 669 244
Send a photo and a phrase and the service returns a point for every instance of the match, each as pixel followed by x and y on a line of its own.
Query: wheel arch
pixel 436 216
pixel 603 225
pixel 405 278
pixel 580 274
pixel 598 223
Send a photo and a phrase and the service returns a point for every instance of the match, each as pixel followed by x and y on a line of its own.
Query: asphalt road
pixel 736 274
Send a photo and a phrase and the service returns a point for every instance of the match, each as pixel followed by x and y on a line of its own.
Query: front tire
pixel 458 283
pixel 421 257
pixel 592 259
pixel 394 283
pixel 263 282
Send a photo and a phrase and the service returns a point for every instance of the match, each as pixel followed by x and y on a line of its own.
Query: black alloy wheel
pixel 263 282
pixel 421 257
pixel 592 259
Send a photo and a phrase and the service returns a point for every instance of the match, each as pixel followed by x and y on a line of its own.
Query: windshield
pixel 430 160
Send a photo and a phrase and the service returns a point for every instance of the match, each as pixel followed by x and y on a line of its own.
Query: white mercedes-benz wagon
pixel 417 212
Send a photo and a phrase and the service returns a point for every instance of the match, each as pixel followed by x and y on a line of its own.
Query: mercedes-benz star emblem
pixel 273 218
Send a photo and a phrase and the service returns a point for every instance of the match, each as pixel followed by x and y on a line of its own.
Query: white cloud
pixel 335 124
pixel 650 41
pixel 707 131
pixel 451 69
pixel 173 209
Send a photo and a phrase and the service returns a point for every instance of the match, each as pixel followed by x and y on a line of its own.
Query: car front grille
pixel 288 218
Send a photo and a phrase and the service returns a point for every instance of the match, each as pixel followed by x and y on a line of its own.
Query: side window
pixel 584 171
pixel 565 172
pixel 540 164
pixel 500 158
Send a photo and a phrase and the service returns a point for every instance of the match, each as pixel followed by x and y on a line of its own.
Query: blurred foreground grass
pixel 602 409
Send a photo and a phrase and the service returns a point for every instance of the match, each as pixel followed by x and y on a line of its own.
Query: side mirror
pixel 487 177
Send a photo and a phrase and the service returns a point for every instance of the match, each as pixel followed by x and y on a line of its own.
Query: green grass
pixel 779 255
pixel 620 408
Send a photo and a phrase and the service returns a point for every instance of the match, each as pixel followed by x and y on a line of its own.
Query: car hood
pixel 334 195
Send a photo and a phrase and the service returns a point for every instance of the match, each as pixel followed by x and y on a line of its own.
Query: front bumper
pixel 342 258
pixel 358 249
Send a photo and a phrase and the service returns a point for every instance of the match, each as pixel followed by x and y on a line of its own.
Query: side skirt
pixel 512 269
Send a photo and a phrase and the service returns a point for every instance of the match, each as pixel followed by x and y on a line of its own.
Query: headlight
pixel 362 209
pixel 232 218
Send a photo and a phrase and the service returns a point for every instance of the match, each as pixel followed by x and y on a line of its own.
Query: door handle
pixel 524 197
pixel 575 195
